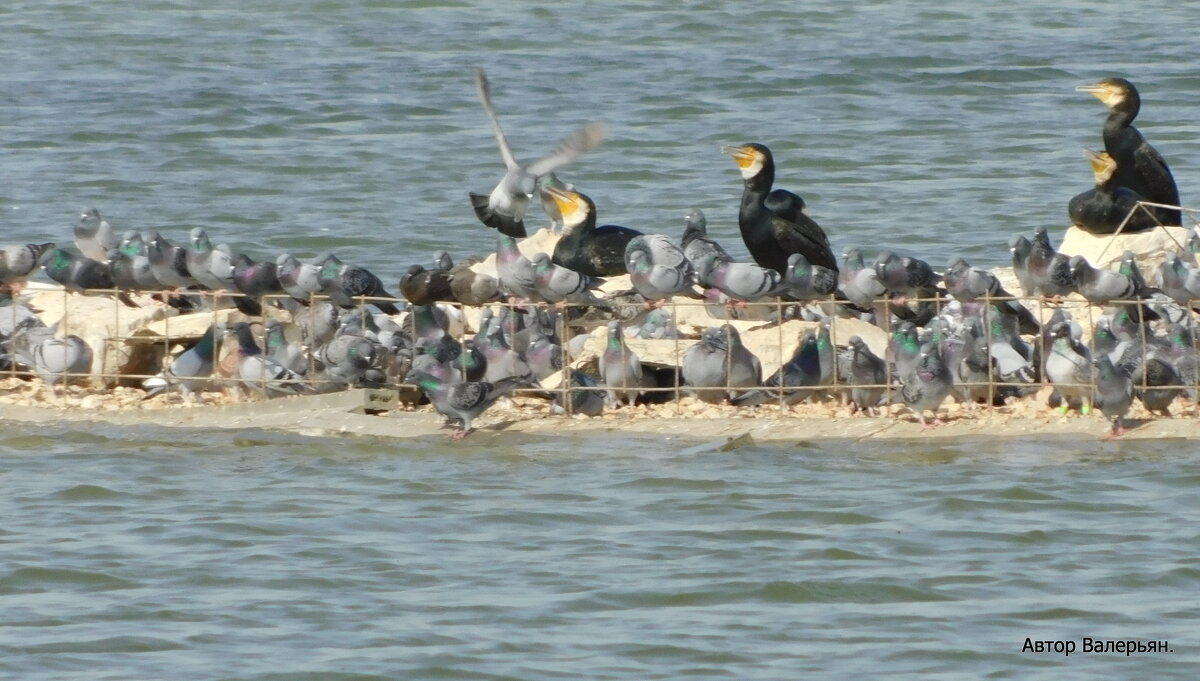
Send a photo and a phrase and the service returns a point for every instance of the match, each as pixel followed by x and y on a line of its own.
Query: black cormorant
pixel 584 247
pixel 1103 209
pixel 1139 166
pixel 773 222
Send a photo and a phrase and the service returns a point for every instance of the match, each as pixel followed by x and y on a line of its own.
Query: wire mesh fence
pixel 139 345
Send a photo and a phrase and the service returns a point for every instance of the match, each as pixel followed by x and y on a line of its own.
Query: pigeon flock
pixel 320 324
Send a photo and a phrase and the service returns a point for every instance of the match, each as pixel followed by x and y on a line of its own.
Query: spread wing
pixel 485 97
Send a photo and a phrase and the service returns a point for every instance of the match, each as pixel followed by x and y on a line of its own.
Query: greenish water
pixel 140 553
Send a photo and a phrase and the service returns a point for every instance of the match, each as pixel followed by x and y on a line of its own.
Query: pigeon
pixel 1050 270
pixel 857 282
pixel 514 270
pixel 905 277
pixel 1068 366
pixel 558 284
pixel 346 358
pixel 253 280
pixel 289 355
pixel 17 263
pixel 904 349
pixel 1156 383
pixel 744 281
pixel 300 280
pixel 1021 248
pixel 620 368
pixel 1179 280
pixel 464 401
pixel 657 268
pixel 502 360
pixel 544 357
pixel 66 359
pixel 197 259
pixel 719 362
pixel 801 371
pixel 262 374
pixel 702 252
pixel 968 284
pixel 582 396
pixel 928 384
pixel 504 209
pixel 79 274
pixel 442 262
pixel 805 281
pixel 1182 353
pixel 421 286
pixel 1100 286
pixel 473 288
pixel 343 283
pixel 94 237
pixel 867 377
pixel 1113 393
pixel 168 263
pixel 190 370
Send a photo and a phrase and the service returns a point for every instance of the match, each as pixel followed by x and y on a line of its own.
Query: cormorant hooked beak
pixel 569 204
pixel 743 156
pixel 1108 93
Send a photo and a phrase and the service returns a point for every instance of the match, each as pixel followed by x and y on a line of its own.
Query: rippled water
pixel 936 129
pixel 260 556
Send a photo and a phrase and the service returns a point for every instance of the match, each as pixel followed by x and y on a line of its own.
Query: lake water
pixel 936 129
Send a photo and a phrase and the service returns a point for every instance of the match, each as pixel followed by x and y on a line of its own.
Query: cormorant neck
pixel 762 181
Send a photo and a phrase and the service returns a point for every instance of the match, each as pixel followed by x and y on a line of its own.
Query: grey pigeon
pixel 968 284
pixel 198 259
pixel 17 263
pixel 346 358
pixel 1049 269
pixel 1100 286
pixel 868 377
pixel 558 284
pixel 514 270
pixel 442 262
pixel 544 357
pixel 504 209
pixel 345 283
pixel 803 370
pixel 1069 368
pixel 190 370
pixel 262 374
pixel 744 281
pixel 94 237
pixel 857 282
pixel 702 252
pixel 904 276
pixel 464 401
pixel 904 348
pixel 290 355
pixel 620 367
pixel 1021 248
pixel 300 280
pixel 719 362
pixel 657 268
pixel 1113 394
pixel 168 262
pixel 502 361
pixel 79 274
pixel 66 359
pixel 1179 280
pixel 805 281
pixel 928 384
pixel 583 396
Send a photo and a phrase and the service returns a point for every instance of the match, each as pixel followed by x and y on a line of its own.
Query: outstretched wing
pixel 570 148
pixel 485 97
